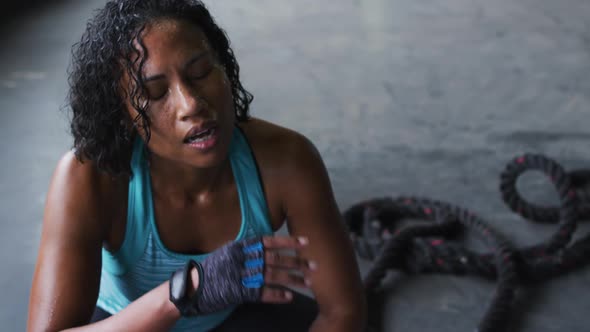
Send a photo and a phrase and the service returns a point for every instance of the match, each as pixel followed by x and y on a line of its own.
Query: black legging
pixel 296 316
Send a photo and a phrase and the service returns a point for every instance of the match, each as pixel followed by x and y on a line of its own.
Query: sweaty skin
pixel 196 203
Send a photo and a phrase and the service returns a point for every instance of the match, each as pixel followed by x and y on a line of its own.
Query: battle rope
pixel 424 248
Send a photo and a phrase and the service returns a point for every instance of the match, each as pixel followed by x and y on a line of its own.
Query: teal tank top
pixel 143 262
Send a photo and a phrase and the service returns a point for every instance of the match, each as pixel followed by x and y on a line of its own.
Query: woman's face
pixel 190 101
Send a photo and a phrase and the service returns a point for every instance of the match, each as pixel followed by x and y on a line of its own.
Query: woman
pixel 161 218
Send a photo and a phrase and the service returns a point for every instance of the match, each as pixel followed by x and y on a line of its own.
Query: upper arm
pixel 311 211
pixel 67 273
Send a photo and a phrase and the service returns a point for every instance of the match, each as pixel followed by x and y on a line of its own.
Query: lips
pixel 199 130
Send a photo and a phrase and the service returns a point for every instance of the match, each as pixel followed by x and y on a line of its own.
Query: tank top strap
pixel 249 184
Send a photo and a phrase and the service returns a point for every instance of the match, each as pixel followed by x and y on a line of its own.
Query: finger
pixel 282 277
pixel 276 259
pixel 276 295
pixel 284 242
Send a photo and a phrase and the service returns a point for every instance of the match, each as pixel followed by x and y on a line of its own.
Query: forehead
pixel 171 39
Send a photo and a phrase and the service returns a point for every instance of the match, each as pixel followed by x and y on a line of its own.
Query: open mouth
pixel 201 136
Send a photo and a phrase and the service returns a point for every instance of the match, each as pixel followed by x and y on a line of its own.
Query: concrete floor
pixel 414 97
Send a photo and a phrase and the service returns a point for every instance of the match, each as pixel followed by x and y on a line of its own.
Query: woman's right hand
pixel 251 270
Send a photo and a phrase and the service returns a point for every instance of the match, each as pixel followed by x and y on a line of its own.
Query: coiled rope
pixel 429 248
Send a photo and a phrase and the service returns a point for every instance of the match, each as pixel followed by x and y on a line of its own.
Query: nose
pixel 188 101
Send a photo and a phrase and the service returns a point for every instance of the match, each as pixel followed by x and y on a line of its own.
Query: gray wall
pixel 427 98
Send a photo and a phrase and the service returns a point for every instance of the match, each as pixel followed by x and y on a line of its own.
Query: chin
pixel 212 157
pixel 210 161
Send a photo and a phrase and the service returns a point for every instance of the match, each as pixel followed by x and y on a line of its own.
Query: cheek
pixel 162 118
pixel 220 90
pixel 225 80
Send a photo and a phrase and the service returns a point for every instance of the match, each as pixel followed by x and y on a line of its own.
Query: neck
pixel 185 184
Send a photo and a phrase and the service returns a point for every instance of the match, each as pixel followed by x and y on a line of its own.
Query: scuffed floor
pixel 426 98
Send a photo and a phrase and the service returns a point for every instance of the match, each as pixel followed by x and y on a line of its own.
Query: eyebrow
pixel 187 64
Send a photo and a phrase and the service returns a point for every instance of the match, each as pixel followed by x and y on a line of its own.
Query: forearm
pixel 151 312
pixel 338 323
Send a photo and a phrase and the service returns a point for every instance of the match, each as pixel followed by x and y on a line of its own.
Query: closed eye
pixel 200 75
pixel 158 97
pixel 156 91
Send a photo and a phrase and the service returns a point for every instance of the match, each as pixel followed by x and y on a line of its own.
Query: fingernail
pixel 313 265
pixel 303 240
pixel 288 295
pixel 307 282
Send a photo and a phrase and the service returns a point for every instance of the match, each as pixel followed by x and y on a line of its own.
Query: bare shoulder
pixel 78 190
pixel 289 164
pixel 78 174
pixel 278 147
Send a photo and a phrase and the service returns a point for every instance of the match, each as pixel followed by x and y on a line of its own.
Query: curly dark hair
pixel 99 124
